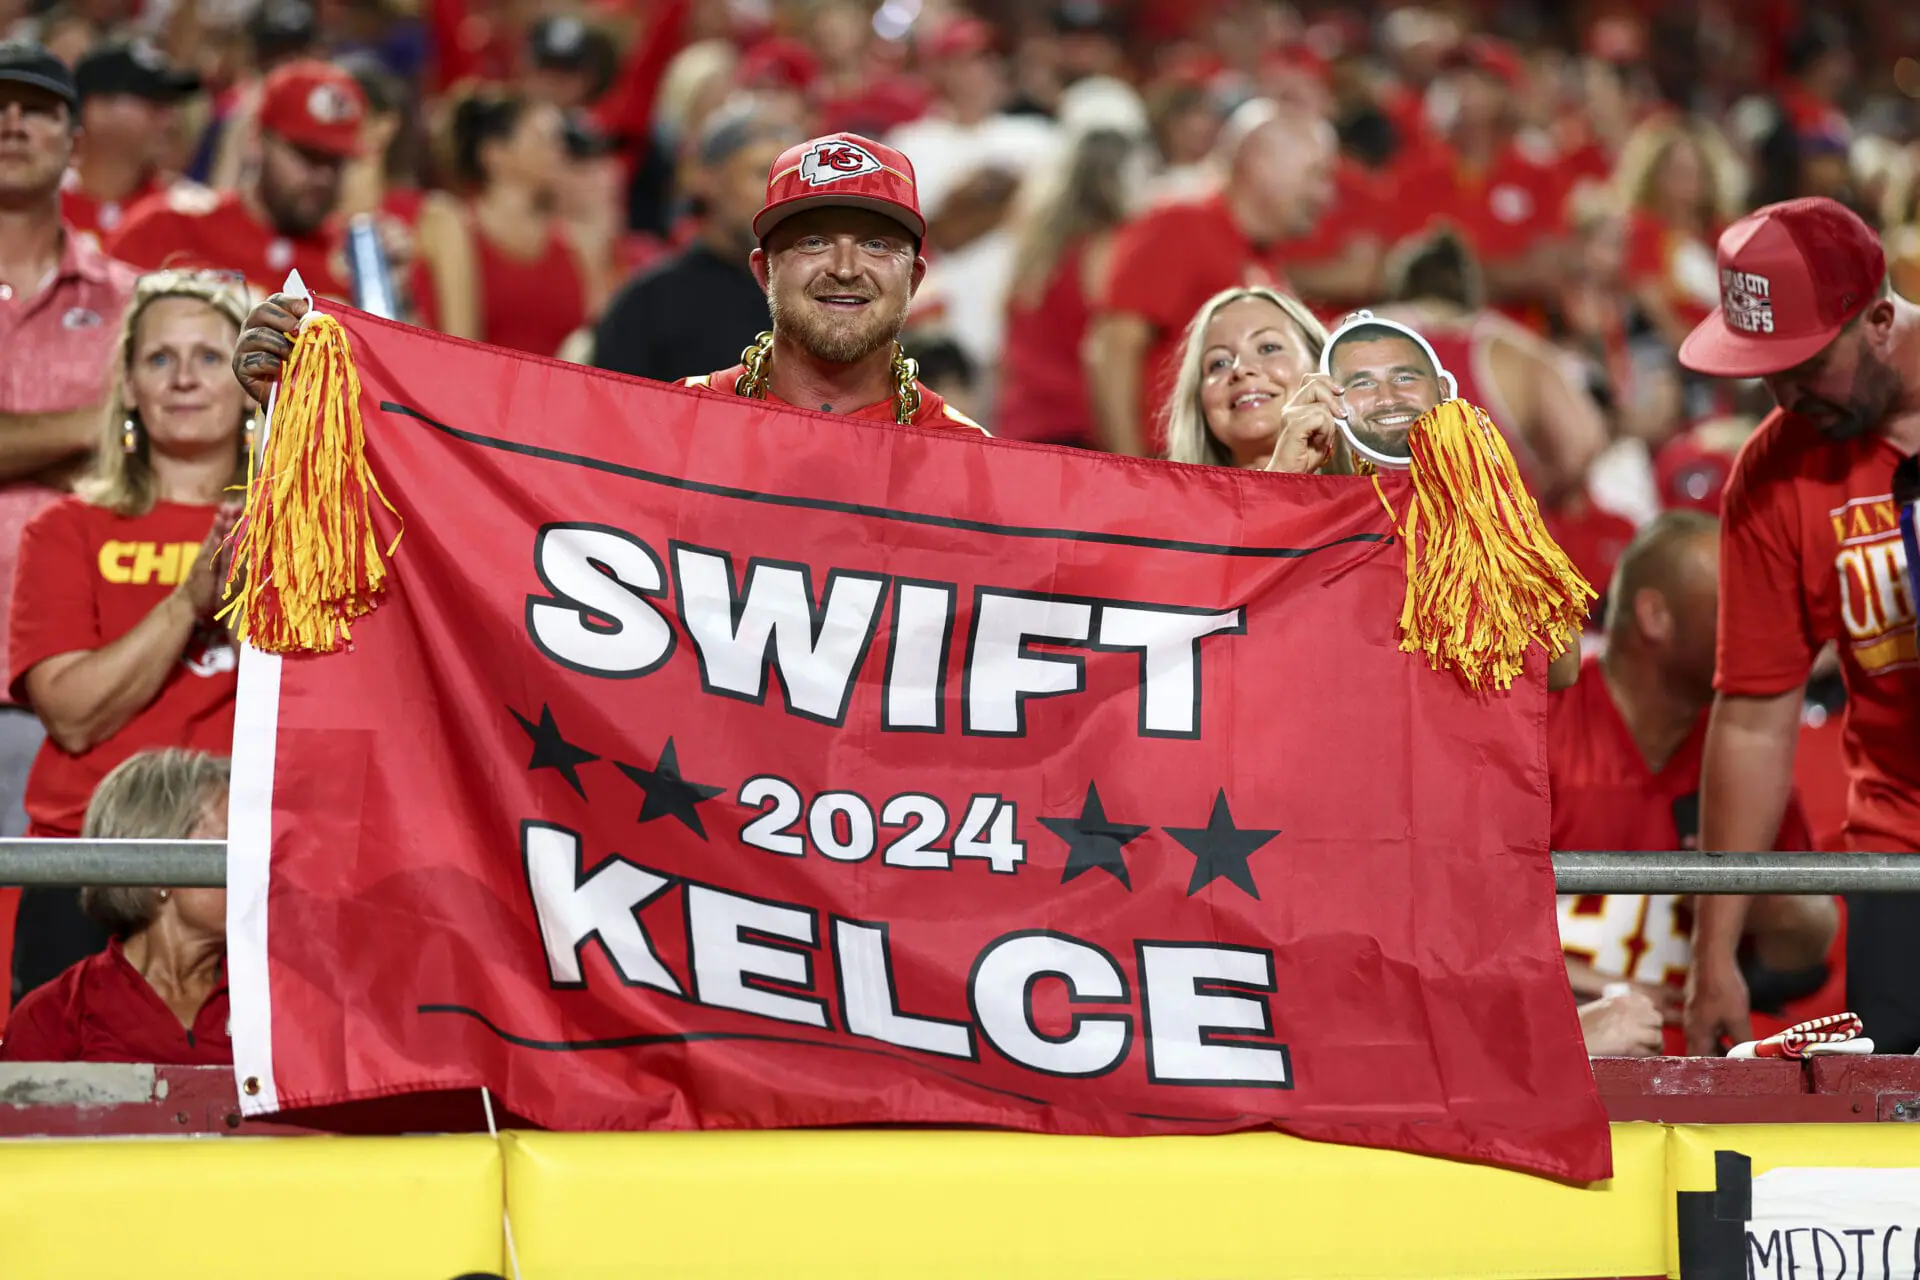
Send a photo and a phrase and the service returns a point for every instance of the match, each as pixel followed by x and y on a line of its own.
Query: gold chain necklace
pixel 757 361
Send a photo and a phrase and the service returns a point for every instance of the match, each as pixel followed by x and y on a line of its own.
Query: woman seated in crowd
pixel 1249 394
pixel 158 993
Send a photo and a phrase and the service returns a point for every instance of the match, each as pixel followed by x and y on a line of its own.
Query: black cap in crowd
pixel 385 92
pixel 24 62
pixel 568 43
pixel 738 125
pixel 133 68
pixel 1087 17
pixel 282 28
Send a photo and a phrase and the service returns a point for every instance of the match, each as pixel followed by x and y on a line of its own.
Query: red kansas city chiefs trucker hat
pixel 841 169
pixel 1791 276
pixel 315 105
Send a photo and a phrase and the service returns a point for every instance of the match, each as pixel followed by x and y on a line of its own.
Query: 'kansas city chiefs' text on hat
pixel 1792 275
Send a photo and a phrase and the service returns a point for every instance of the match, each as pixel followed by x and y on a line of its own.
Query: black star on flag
pixel 668 794
pixel 552 751
pixel 1094 841
pixel 1221 849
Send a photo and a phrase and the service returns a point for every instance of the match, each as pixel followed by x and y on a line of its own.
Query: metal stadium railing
pixel 202 863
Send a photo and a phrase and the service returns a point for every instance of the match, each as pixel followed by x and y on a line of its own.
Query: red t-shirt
pixel 1810 552
pixel 1363 207
pixel 933 411
pixel 1500 211
pixel 1166 264
pixel 1606 797
pixel 100 218
pixel 103 1010
pixel 1681 266
pixel 193 227
pixel 86 577
pixel 1043 387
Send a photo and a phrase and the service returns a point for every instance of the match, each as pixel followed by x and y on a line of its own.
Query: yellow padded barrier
pixel 249 1208
pixel 848 1204
pixel 1690 1151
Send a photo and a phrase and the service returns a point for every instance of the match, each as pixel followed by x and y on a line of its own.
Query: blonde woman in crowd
pixel 1063 233
pixel 1678 184
pixel 1249 394
pixel 158 992
pixel 1246 357
pixel 113 638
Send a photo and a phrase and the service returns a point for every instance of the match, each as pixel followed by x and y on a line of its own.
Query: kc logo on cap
pixel 832 160
pixel 1748 301
pixel 329 105
pixel 841 170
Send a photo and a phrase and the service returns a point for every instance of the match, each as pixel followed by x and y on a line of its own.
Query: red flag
pixel 712 765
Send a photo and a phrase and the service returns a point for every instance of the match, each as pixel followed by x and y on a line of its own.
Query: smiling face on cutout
pixel 1390 380
pixel 1253 359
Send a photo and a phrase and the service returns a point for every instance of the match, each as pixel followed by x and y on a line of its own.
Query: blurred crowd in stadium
pixel 1537 186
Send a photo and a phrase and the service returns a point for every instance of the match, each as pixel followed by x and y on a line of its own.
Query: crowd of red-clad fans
pixel 1538 187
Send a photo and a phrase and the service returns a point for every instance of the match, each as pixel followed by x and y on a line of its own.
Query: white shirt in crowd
pixel 972 282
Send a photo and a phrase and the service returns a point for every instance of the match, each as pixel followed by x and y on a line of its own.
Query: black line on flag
pixel 877 513
pixel 697 1037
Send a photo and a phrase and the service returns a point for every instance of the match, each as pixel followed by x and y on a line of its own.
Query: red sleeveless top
pixel 529 306
pixel 1462 348
pixel 1043 386
pixel 1592 537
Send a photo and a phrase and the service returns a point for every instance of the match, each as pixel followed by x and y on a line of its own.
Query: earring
pixel 251 429
pixel 130 435
pixel 163 895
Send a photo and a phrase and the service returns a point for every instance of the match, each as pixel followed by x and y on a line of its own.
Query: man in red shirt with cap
pixel 1812 552
pixel 310 120
pixel 839 257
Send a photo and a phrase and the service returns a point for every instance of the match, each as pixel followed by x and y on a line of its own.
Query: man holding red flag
pixel 839 257
pixel 1812 552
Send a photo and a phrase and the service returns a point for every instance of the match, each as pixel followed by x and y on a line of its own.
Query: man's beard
pixel 1875 388
pixel 839 339
pixel 1391 441
pixel 290 217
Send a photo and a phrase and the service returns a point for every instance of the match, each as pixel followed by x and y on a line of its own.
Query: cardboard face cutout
pixel 1391 377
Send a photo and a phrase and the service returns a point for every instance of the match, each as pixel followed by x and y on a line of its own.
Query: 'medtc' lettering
pixel 606 613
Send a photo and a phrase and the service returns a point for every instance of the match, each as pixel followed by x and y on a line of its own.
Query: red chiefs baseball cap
pixel 841 169
pixel 315 105
pixel 1791 276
